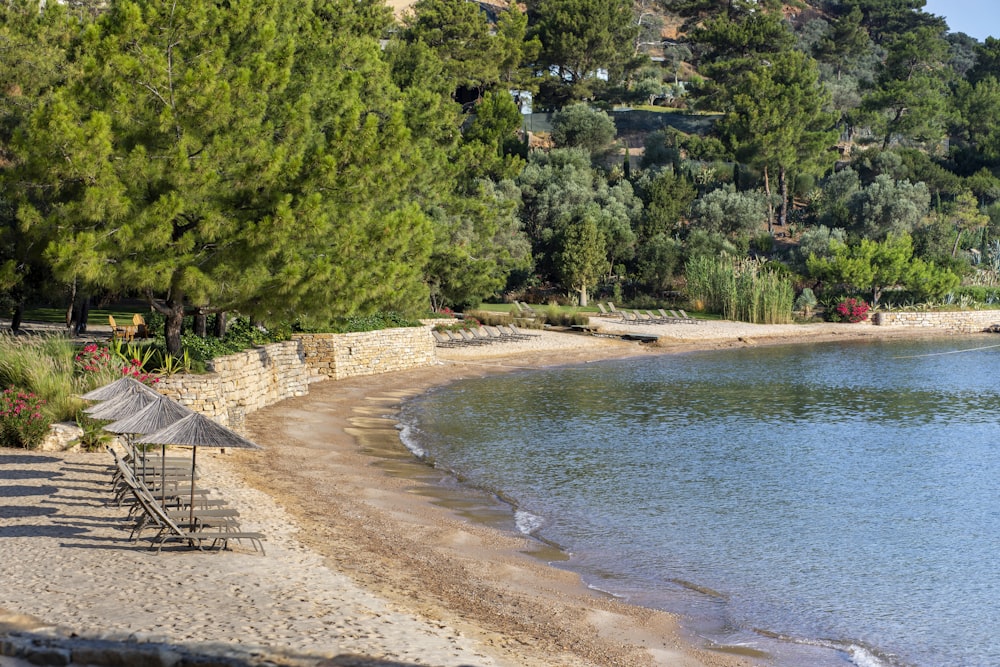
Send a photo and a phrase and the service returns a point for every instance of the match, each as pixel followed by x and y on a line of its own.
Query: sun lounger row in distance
pixel 647 317
pixel 482 335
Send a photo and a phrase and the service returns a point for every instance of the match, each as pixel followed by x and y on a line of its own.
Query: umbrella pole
pixel 130 446
pixel 194 452
pixel 163 476
pixel 137 451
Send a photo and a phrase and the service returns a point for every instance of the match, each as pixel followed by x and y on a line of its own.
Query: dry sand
pixel 365 554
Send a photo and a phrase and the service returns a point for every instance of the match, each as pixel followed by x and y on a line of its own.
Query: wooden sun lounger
pixel 198 538
pixel 208 523
pixel 520 334
pixel 667 317
pixel 441 339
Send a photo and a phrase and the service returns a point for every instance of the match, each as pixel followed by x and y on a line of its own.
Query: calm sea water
pixel 843 494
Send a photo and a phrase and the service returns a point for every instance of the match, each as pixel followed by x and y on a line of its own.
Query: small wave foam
pixel 527 522
pixel 863 657
pixel 857 655
pixel 408 436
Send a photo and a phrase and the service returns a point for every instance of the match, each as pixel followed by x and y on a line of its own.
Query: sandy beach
pixel 367 555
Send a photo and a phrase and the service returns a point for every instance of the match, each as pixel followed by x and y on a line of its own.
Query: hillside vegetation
pixel 310 161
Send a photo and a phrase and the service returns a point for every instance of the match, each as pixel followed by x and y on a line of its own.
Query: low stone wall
pixel 242 383
pixel 958 321
pixel 339 356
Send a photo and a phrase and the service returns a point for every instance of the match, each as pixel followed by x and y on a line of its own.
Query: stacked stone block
pixel 242 383
pixel 958 321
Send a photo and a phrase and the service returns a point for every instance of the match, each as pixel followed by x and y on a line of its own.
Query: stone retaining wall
pixel 242 383
pixel 959 321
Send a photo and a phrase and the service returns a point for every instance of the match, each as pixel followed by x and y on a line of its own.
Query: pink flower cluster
pixel 22 423
pixel 852 310
pixel 92 358
pixel 134 368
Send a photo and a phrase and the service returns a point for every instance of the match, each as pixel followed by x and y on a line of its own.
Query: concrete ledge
pixel 22 648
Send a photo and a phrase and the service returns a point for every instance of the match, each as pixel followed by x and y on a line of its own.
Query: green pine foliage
pixel 322 161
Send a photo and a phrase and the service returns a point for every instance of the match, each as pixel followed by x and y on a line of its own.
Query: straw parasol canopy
pixel 196 430
pixel 115 389
pixel 159 413
pixel 128 402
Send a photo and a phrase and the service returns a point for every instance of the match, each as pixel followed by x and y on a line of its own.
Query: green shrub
pixel 22 420
pixel 806 301
pixel 557 317
pixel 490 318
pixel 93 437
pixel 387 320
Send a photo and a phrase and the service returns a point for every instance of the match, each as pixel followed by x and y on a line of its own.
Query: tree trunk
pixel 172 330
pixel 17 317
pixel 583 295
pixel 783 187
pixel 72 305
pixel 220 325
pixel 82 313
pixel 173 313
pixel 770 204
pixel 200 324
pixel 954 249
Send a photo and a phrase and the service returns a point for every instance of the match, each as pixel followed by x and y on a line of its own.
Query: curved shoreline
pixel 474 576
pixel 368 552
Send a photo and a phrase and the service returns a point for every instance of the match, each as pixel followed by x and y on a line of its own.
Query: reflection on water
pixel 846 493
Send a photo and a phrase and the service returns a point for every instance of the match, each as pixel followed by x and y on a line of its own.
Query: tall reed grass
pixel 45 365
pixel 743 290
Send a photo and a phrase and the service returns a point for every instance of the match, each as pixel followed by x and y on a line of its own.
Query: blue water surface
pixel 847 493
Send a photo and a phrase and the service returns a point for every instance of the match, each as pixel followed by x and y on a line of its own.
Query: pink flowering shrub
pixel 134 368
pixel 22 422
pixel 100 360
pixel 851 310
pixel 92 359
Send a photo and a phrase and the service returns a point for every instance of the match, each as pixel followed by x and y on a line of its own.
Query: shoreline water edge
pixel 504 586
pixel 370 512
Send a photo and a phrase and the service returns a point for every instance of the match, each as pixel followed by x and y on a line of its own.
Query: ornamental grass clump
pixel 44 366
pixel 742 290
pixel 57 371
pixel 22 420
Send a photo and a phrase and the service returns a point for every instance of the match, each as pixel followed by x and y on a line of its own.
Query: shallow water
pixel 841 493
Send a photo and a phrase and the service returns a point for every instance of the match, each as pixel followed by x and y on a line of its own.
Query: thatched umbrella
pixel 130 400
pixel 197 430
pixel 115 389
pixel 161 412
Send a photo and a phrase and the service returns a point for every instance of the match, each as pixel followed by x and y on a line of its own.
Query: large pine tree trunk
pixel 72 304
pixel 17 317
pixel 783 187
pixel 82 315
pixel 770 204
pixel 220 325
pixel 172 330
pixel 200 324
pixel 173 313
